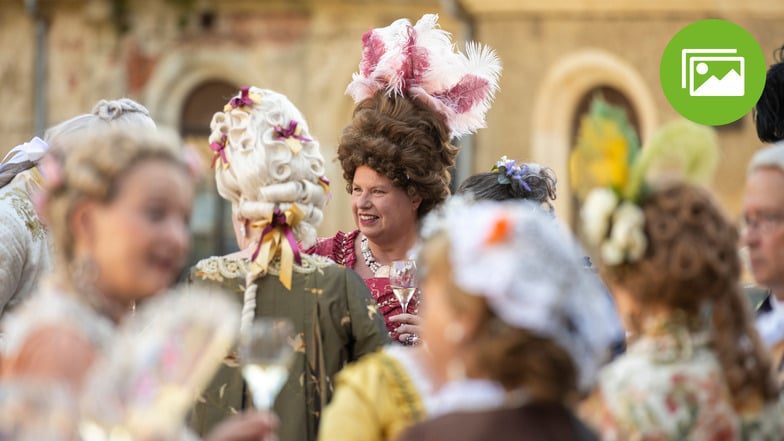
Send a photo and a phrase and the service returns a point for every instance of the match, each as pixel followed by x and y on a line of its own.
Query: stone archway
pixel 179 74
pixel 563 86
pixel 180 82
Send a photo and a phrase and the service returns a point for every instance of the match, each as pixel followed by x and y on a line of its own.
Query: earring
pixel 85 273
pixel 454 332
pixel 243 233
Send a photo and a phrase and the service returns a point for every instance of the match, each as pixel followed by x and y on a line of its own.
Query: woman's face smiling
pixel 382 211
pixel 141 238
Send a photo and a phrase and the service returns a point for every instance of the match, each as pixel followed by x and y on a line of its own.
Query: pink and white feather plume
pixel 422 62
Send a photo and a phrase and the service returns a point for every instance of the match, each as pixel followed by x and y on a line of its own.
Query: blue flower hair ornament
pixel 508 172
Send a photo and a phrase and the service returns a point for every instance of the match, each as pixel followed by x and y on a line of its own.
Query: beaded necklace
pixel 370 261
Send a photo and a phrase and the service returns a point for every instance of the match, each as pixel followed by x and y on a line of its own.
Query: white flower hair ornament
pixel 421 61
pixel 538 283
pixel 612 175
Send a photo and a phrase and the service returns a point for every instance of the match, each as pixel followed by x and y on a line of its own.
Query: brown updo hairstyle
pixel 93 168
pixel 485 186
pixel 404 140
pixel 691 264
pixel 514 357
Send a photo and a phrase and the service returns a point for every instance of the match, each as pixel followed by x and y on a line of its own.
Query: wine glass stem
pixel 262 402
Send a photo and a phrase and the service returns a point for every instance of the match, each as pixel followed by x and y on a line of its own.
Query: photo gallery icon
pixel 713 72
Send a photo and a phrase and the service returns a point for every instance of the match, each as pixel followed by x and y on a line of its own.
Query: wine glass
pixel 265 352
pixel 402 279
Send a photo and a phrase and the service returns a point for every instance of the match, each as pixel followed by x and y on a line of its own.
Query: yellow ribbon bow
pixel 277 238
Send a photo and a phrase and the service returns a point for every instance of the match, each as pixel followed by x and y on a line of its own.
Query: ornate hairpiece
pixel 611 176
pixel 292 136
pixel 324 183
pixel 420 61
pixel 31 151
pixel 219 148
pixel 245 101
pixel 509 171
pixel 539 282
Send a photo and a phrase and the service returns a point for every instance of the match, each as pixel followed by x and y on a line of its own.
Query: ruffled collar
pixel 473 395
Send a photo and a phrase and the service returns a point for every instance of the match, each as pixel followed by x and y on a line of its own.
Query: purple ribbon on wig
pixel 518 174
pixel 279 220
pixel 219 149
pixel 290 132
pixel 242 100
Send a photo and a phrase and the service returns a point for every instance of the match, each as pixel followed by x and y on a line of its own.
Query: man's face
pixel 763 212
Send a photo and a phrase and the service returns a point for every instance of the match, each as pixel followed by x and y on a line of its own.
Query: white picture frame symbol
pixel 691 56
pixel 730 85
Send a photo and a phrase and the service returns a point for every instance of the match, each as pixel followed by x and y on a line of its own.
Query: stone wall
pixel 158 51
pixel 554 52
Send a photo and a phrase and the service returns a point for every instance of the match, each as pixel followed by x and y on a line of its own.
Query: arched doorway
pixel 612 96
pixel 567 88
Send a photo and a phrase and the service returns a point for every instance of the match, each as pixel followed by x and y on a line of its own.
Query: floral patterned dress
pixel 335 320
pixel 340 249
pixel 669 385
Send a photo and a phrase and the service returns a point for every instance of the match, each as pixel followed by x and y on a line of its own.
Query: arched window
pixel 211 221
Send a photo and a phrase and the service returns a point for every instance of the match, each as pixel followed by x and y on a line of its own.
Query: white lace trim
pixel 472 395
pixel 236 267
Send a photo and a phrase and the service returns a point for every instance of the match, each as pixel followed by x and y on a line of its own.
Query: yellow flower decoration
pixel 606 147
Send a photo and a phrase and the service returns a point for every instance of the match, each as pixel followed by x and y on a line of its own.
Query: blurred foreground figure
pixel 118 203
pixel 511 354
pixel 694 367
pixel 26 254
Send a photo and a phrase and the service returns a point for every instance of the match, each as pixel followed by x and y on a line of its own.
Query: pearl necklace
pixel 370 261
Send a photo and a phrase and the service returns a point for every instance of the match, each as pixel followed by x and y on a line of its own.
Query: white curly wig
pixel 263 171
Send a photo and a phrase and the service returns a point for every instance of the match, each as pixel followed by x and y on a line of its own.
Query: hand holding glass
pixel 265 353
pixel 403 280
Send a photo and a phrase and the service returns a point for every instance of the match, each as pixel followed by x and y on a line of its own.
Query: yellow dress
pixel 376 398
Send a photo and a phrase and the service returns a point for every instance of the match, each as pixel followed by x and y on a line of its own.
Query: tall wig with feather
pixel 422 62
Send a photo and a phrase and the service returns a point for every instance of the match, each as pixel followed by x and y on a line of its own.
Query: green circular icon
pixel 712 72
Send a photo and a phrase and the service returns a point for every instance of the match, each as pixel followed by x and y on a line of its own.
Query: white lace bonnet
pixel 531 272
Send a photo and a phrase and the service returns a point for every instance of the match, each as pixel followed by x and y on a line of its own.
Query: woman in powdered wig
pixel 269 167
pixel 414 93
